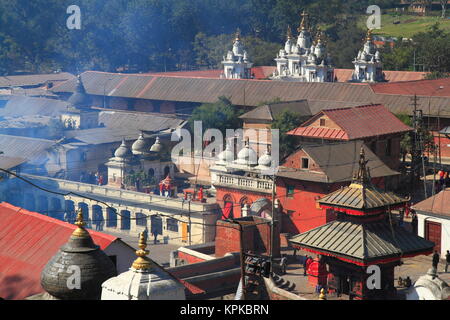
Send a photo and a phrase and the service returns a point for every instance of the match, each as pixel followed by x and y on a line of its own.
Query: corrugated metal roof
pixel 367 197
pixel 241 92
pixel 438 204
pixel 269 111
pixel 364 242
pixel 19 106
pixel 355 123
pixel 336 163
pixel 34 79
pixel 29 149
pixel 437 87
pixel 28 240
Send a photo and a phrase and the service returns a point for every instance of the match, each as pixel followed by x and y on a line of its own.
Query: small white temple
pixel 236 65
pixel 305 60
pixel 368 65
pixel 143 160
pixel 144 281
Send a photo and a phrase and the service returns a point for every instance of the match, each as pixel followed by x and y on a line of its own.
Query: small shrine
pixel 167 187
pixel 363 237
pixel 237 65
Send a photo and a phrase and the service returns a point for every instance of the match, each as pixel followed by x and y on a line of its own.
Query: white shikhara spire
pixel 236 64
pixel 306 60
pixel 368 65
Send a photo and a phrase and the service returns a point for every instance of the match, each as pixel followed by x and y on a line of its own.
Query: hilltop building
pixel 304 60
pixel 368 65
pixel 236 65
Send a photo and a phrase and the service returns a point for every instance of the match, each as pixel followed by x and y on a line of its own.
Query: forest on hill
pixel 163 35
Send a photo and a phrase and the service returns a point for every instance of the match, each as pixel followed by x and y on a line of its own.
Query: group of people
pixel 92 178
pixel 444 180
pixel 436 258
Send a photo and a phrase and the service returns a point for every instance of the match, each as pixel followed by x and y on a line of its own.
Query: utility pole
pixel 189 218
pixel 417 153
pixel 242 258
pixel 272 229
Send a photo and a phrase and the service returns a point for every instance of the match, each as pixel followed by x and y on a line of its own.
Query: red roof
pixel 258 72
pixel 28 240
pixel 435 88
pixel 438 204
pixel 354 123
pixel 344 75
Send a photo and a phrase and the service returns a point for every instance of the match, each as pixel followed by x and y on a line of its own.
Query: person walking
pixel 447 261
pixel 414 222
pixel 435 259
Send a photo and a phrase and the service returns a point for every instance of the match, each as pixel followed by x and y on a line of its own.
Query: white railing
pixel 128 195
pixel 244 183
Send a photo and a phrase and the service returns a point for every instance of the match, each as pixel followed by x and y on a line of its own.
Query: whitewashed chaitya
pixel 304 60
pixel 237 65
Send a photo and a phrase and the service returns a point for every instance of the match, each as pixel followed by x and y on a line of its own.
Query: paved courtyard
pixel 412 267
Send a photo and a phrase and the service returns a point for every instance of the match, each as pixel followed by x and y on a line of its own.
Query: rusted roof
pixel 33 79
pixel 363 242
pixel 344 75
pixel 354 123
pixel 28 240
pixel 437 88
pixel 242 92
pixel 438 204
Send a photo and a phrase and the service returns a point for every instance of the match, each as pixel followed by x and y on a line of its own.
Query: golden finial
pixel 319 35
pixel 238 35
pixel 322 295
pixel 289 33
pixel 369 35
pixel 80 231
pixel 304 22
pixel 142 262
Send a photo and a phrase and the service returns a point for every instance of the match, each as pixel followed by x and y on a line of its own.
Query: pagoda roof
pixel 357 197
pixel 361 194
pixel 363 243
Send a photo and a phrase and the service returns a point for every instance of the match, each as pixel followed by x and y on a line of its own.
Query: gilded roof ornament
pixel 142 262
pixel 238 35
pixel 304 23
pixel 322 295
pixel 80 232
pixel 362 176
pixel 369 36
pixel 289 33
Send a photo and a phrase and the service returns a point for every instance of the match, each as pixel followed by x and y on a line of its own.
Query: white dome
pixel 123 151
pixel 139 146
pixel 247 156
pixel 157 146
pixel 265 160
pixel 225 156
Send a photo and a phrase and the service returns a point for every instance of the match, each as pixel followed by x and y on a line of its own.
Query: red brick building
pixel 309 173
pixel 381 130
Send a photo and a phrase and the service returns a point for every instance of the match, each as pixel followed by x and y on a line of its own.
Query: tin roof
pixel 34 79
pixel 28 240
pixel 269 111
pixel 28 149
pixel 437 87
pixel 438 204
pixel 241 92
pixel 363 242
pixel 354 123
pixel 19 106
pixel 336 162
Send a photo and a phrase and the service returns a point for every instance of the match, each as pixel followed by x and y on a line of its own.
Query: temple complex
pixel 304 60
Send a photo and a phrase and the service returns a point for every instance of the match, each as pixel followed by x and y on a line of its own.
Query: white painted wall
pixel 124 253
pixel 445 231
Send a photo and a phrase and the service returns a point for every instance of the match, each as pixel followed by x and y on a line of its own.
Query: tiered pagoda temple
pixel 363 235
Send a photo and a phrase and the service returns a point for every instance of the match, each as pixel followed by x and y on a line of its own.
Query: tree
pixel 443 4
pixel 286 121
pixel 221 115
